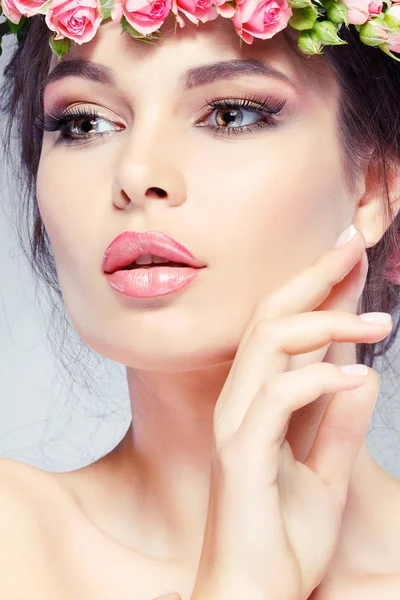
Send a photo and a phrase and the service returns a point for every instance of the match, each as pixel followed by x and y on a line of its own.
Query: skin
pixel 256 208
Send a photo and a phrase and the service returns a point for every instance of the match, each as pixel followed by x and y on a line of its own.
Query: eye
pixel 76 124
pixel 234 117
pixel 88 125
pixel 239 115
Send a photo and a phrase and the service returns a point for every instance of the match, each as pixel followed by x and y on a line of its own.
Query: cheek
pixel 70 192
pixel 273 201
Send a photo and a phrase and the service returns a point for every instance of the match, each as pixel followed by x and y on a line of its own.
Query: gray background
pixel 50 422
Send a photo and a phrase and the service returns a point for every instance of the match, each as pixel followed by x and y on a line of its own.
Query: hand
pixel 273 522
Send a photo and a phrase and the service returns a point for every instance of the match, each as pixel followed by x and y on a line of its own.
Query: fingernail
pixel 376 317
pixel 354 369
pixel 346 236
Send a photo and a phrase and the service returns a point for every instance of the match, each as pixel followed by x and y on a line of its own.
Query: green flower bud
pixel 299 3
pixel 337 12
pixel 374 32
pixel 327 33
pixel 392 21
pixel 303 18
pixel 309 43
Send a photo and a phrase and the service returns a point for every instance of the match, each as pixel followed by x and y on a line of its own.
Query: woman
pixel 245 472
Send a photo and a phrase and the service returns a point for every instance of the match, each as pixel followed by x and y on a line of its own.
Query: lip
pixel 127 246
pixel 152 282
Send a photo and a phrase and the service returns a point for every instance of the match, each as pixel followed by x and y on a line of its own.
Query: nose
pixel 150 167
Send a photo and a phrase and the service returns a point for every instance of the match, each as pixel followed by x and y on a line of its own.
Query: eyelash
pixel 269 107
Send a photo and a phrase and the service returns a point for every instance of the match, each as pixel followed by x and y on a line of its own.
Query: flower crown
pixel 318 22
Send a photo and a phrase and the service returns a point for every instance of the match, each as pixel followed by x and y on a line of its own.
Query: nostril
pixel 160 192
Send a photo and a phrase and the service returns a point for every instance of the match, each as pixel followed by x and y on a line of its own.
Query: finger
pixel 306 291
pixel 344 296
pixel 341 434
pixel 264 426
pixel 311 286
pixel 268 350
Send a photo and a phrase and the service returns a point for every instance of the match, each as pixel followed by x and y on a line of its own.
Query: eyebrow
pixel 194 77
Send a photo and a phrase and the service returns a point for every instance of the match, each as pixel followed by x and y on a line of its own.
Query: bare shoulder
pixel 25 482
pixel 30 493
pixel 29 498
pixel 29 502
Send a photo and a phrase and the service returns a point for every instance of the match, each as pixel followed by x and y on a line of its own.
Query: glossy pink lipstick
pixel 154 280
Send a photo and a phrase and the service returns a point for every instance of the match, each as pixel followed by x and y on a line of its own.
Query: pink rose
pixel 361 10
pixel 375 8
pixel 394 38
pixel 29 8
pixel 145 16
pixel 10 11
pixel 77 20
pixel 195 11
pixel 260 19
pixel 224 9
pixel 13 10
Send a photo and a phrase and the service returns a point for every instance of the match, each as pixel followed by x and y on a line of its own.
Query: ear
pixel 372 214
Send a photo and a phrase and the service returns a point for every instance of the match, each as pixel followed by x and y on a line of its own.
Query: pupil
pixel 87 126
pixel 228 116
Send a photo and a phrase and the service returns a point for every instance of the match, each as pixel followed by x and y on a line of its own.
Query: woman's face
pixel 256 200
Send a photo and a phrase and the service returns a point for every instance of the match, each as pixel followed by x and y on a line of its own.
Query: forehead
pixel 183 49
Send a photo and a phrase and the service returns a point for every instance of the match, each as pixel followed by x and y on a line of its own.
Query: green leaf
pixel 5 28
pixel 59 47
pixel 22 32
pixel 386 50
pixel 303 18
pixel 106 6
pixel 16 26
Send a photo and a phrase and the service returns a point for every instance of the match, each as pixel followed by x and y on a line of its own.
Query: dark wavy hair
pixel 369 127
